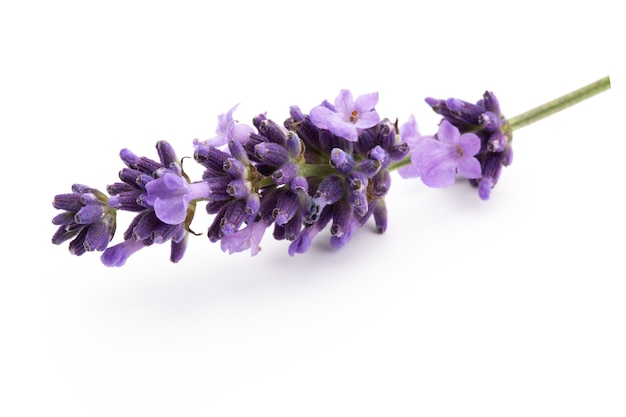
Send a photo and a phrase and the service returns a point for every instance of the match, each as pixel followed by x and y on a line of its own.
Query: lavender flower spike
pixel 347 117
pixel 439 159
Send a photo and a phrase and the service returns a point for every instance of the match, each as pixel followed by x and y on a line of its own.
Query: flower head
pixel 347 117
pixel 163 198
pixel 439 159
pixel 87 219
pixel 485 120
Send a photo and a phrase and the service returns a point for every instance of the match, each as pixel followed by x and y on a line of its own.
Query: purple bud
pixel 89 214
pixel 285 174
pixel 167 156
pixel 369 167
pixel 490 121
pixel 293 144
pixel 380 215
pixel 329 191
pixel 286 207
pixel 118 254
pixel 359 203
pixel 271 153
pixel 497 142
pixel 238 151
pixel 377 153
pixel 273 131
pixel 68 202
pixel 302 243
pixel 484 188
pixel 464 111
pixel 210 157
pixel 342 215
pixel 299 185
pixel 381 183
pixel 341 161
pixel 178 248
pixel 234 168
pixel 357 183
pixel 98 236
pixel 218 188
pixel 128 201
pixel 490 102
pixel 238 188
pixel 233 217
pixel 507 157
pixel 128 157
pixel 400 151
pixel 253 203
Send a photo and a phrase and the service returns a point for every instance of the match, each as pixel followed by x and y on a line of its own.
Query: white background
pixel 510 307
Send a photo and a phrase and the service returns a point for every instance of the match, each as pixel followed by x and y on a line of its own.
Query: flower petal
pixel 440 175
pixel 448 133
pixel 369 119
pixel 344 103
pixel 320 115
pixel 436 163
pixel 409 132
pixel 247 238
pixel 409 171
pixel 366 102
pixel 340 127
pixel 469 167
pixel 470 144
pixel 171 210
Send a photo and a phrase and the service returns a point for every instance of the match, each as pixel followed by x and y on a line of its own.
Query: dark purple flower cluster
pixel 485 120
pixel 87 219
pixel 297 178
pixel 146 186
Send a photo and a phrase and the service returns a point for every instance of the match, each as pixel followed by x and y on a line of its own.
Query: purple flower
pixel 227 129
pixel 439 159
pixel 247 238
pixel 347 117
pixel 485 120
pixel 411 135
pixel 171 194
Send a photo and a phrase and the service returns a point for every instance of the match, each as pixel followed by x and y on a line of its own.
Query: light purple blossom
pixel 170 195
pixel 410 134
pixel 247 238
pixel 348 116
pixel 439 159
pixel 227 129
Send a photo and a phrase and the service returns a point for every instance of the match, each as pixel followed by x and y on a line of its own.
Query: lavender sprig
pixel 328 168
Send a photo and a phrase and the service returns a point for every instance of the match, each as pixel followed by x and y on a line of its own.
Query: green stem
pixel 560 103
pixel 306 170
pixel 544 110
